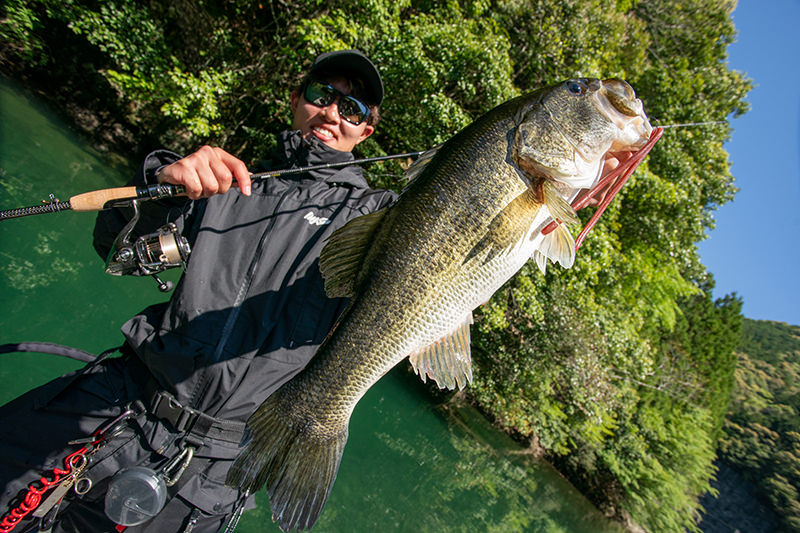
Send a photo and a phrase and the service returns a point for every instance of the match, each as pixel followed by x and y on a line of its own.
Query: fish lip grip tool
pixel 624 170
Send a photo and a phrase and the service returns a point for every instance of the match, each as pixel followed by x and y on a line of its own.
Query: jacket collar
pixel 293 151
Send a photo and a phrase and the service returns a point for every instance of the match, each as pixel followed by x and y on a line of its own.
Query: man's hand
pixel 611 162
pixel 207 172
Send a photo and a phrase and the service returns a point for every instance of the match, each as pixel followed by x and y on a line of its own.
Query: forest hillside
pixel 761 435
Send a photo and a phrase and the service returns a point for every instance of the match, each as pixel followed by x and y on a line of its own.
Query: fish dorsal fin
pixel 558 246
pixel 416 168
pixel 447 361
pixel 342 257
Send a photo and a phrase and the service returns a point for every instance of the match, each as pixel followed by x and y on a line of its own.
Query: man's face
pixel 325 124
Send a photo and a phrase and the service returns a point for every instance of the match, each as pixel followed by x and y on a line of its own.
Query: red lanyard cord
pixel 33 497
pixel 74 464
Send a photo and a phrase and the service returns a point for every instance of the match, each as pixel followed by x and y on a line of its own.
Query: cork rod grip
pixel 95 200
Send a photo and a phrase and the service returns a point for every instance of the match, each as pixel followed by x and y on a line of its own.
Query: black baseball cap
pixel 352 63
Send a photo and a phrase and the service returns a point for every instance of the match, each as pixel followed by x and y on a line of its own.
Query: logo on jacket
pixel 314 220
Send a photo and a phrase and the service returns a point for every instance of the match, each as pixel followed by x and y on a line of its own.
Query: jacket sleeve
pixel 153 213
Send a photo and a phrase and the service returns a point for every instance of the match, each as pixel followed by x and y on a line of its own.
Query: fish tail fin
pixel 297 468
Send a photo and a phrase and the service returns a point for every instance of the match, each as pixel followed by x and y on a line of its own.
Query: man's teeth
pixel 323 132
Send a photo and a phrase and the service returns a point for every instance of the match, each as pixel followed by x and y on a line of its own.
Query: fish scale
pixel 472 215
pixel 408 302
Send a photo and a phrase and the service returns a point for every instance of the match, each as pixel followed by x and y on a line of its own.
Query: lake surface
pixel 408 466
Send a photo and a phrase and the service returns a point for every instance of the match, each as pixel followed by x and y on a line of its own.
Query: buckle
pixel 166 407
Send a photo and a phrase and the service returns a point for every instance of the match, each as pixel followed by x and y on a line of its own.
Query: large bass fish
pixel 470 218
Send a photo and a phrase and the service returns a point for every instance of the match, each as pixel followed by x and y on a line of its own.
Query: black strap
pixel 50 348
pixel 165 406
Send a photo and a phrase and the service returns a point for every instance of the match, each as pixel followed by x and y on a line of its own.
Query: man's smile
pixel 322 132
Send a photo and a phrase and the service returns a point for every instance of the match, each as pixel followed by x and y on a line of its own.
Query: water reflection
pixel 411 467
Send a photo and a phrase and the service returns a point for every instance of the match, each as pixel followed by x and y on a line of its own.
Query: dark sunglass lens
pixel 319 95
pixel 352 110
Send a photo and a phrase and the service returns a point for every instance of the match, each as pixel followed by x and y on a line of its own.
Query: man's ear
pixel 368 130
pixel 294 99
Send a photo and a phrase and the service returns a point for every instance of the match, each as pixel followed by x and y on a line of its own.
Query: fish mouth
pixel 617 100
pixel 622 97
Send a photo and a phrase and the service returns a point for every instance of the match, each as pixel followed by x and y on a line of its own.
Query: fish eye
pixel 575 87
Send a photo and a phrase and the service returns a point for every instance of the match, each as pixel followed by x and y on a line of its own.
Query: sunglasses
pixel 350 109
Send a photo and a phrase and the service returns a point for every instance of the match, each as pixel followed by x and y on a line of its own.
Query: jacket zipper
pixel 240 297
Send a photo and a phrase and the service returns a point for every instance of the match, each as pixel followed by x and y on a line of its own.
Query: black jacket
pixel 250 309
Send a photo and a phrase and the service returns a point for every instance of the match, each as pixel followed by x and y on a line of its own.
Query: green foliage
pixel 17 36
pixel 145 72
pixel 622 409
pixel 760 434
pixel 620 368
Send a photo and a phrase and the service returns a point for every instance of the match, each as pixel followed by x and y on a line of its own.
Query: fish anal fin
pixel 343 255
pixel 447 361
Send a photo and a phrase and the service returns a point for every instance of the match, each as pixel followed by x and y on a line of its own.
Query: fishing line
pixel 691 124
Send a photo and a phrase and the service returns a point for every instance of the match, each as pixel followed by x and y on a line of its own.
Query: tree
pixel 760 433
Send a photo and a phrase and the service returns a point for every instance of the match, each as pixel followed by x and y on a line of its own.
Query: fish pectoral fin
pixel 447 361
pixel 558 207
pixel 343 255
pixel 508 229
pixel 558 246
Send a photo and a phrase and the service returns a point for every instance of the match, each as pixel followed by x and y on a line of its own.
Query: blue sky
pixel 755 248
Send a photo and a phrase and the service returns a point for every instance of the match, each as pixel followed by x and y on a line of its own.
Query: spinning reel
pixel 148 255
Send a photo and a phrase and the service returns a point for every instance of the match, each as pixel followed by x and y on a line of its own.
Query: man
pixel 247 315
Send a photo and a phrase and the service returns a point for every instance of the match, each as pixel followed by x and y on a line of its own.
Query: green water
pixel 408 466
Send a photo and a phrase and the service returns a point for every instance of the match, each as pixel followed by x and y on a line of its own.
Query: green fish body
pixel 469 219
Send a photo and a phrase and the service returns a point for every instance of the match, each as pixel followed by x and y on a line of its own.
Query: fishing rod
pixel 166 248
pixel 151 254
pixel 118 196
pixel 114 197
